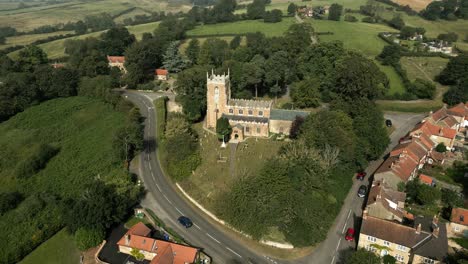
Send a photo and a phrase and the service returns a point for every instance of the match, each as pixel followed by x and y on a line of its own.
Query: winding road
pixel 221 244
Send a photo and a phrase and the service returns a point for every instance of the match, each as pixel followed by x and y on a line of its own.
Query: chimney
pixel 364 214
pixel 127 239
pixel 378 197
pixel 418 229
pixel 435 220
pixel 435 232
pixel 154 247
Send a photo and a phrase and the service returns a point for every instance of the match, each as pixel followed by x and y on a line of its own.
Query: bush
pixel 423 89
pixel 441 148
pixel 369 19
pixel 149 86
pixel 87 238
pixel 36 162
pixel 350 18
pixel 9 201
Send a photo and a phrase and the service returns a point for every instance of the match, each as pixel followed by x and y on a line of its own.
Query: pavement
pixel 216 241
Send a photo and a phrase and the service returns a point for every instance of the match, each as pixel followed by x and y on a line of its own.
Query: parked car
pixel 362 191
pixel 361 175
pixel 388 123
pixel 185 221
pixel 349 234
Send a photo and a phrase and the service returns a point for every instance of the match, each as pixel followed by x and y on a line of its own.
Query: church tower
pixel 218 93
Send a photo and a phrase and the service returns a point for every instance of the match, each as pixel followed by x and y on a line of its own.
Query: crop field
pixel 242 27
pixel 56 49
pixel 414 4
pixel 35 16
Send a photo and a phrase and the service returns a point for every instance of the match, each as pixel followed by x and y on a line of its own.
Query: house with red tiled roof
pixel 443 118
pixel 385 203
pixel 459 221
pixel 416 149
pixel 155 250
pixel 460 113
pixel 425 179
pixel 396 169
pixel 117 61
pixel 161 74
pixel 436 133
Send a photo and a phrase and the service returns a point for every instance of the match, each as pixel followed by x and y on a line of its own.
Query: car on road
pixel 361 175
pixel 185 221
pixel 388 123
pixel 349 234
pixel 362 191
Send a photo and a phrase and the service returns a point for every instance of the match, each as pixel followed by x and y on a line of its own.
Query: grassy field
pixel 423 67
pixel 242 27
pixel 56 49
pixel 60 249
pixel 33 17
pixel 28 39
pixel 213 178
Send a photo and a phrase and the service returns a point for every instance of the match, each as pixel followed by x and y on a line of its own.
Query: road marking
pixel 337 246
pixel 178 210
pixel 213 238
pixel 348 215
pixel 234 252
pixel 167 199
pixel 158 187
pixel 151 167
pixel 333 260
pixel 345 223
pixel 197 226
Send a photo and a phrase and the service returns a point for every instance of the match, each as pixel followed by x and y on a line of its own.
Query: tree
pixel 364 256
pixel 213 52
pixel 390 55
pixel 87 238
pixel 306 93
pixel 191 89
pixel 99 22
pixel 30 57
pixel 116 40
pixel 407 32
pixel 292 8
pixel 273 16
pixel 235 42
pixel 173 60
pixel 137 254
pixel 193 49
pixel 223 129
pixel 335 12
pixel 256 9
pixel 350 18
pixel 389 259
pixel 452 199
pixel 458 93
pixel 423 89
pixel 456 69
pixel 358 77
pixel 397 22
pixel 441 147
pixel 296 127
pixel 9 201
pixel 428 195
pixel 449 37
pixel 253 72
pixel 433 10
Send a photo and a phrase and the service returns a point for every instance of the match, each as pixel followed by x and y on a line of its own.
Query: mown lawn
pixel 423 67
pixel 243 27
pixel 60 249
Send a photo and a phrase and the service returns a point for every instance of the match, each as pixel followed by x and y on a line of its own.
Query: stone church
pixel 248 118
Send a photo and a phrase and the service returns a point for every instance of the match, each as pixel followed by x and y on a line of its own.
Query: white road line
pixel 150 167
pixel 333 260
pixel 178 210
pixel 337 246
pixel 213 238
pixel 345 223
pixel 167 199
pixel 158 187
pixel 234 252
pixel 197 226
pixel 342 231
pixel 349 214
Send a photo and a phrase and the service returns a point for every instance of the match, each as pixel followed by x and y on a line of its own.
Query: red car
pixel 349 234
pixel 361 175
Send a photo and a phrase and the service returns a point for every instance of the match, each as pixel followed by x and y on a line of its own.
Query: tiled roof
pixel 439 114
pixel 247 119
pixel 436 247
pixel 426 179
pixel 166 252
pixel 402 167
pixel 449 121
pixel 392 232
pixel 161 72
pixel 430 129
pixel 414 149
pixel 390 199
pixel 290 115
pixel 459 110
pixel 116 59
pixel 459 216
pixel 249 103
pixel 437 155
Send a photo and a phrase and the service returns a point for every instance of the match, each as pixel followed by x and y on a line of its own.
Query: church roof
pixel 290 115
pixel 249 119
pixel 249 103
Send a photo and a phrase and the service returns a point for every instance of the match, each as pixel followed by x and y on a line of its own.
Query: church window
pixel 260 113
pixel 258 130
pixel 247 129
pixel 231 111
pixel 241 112
pixel 250 112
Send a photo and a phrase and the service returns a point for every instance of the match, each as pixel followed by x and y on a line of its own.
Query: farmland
pixel 28 39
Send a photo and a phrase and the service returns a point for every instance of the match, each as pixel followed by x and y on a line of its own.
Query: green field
pixel 28 39
pixel 56 49
pixel 423 67
pixel 60 249
pixel 242 27
pixel 33 17
pixel 82 129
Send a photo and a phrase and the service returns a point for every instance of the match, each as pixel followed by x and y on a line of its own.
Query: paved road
pixel 167 202
pixel 163 199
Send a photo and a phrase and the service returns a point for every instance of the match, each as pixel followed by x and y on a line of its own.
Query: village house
pixel 438 46
pixel 248 118
pixel 161 74
pixel 305 11
pixel 424 243
pixel 428 180
pixel 154 250
pixel 443 118
pixel 436 133
pixel 386 203
pixel 460 113
pixel 459 221
pixel 117 61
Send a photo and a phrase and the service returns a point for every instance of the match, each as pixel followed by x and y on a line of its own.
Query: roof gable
pixel 459 216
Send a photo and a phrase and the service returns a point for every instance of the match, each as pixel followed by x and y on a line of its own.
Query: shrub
pixel 36 162
pixel 149 86
pixel 369 19
pixel 9 201
pixel 441 148
pixel 423 89
pixel 350 18
pixel 87 238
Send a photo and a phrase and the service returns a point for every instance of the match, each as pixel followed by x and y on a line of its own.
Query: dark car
pixel 361 175
pixel 362 191
pixel 388 123
pixel 185 221
pixel 349 234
